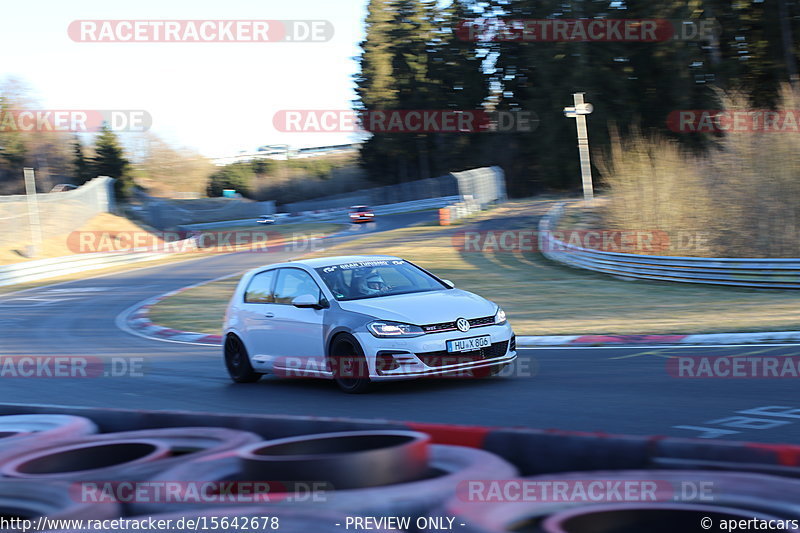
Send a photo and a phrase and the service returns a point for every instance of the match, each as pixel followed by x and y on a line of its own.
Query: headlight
pixel 500 316
pixel 385 328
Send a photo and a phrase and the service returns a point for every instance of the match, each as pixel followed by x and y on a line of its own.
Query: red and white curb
pixel 139 322
pixel 781 337
pixel 135 320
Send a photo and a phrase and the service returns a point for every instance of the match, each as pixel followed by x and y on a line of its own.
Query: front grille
pixel 451 326
pixel 444 326
pixel 444 358
pixel 485 321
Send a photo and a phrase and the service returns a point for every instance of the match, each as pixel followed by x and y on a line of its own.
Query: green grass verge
pixel 206 302
pixel 540 297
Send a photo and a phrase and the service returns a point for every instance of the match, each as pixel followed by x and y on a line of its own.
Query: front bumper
pixel 426 355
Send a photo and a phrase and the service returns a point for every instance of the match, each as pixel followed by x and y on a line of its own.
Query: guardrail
pixel 59 266
pixel 333 214
pixel 60 212
pixel 741 272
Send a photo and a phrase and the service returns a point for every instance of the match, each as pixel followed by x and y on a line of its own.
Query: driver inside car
pixel 371 284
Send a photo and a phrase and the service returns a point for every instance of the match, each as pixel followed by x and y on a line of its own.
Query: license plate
pixel 466 345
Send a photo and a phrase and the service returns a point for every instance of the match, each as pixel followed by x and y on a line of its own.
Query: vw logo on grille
pixel 462 324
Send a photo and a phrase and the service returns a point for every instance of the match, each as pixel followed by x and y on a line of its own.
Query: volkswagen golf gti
pixel 359 320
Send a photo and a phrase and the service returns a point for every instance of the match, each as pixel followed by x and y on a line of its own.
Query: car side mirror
pixel 307 301
pixel 449 283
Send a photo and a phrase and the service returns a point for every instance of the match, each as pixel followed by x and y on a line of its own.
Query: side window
pixel 292 283
pixel 259 290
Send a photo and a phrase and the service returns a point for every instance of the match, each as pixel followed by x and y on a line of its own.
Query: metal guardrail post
pixel 33 212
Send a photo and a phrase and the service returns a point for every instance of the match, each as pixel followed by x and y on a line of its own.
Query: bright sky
pixel 218 98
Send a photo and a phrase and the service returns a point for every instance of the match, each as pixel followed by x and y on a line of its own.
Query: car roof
pixel 359 206
pixel 341 259
pixel 318 262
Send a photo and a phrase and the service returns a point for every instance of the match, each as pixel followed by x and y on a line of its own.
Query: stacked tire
pixel 52 465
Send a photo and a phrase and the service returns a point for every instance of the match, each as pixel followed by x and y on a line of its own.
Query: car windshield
pixel 371 279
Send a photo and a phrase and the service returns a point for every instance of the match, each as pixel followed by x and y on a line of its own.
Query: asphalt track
pixel 612 390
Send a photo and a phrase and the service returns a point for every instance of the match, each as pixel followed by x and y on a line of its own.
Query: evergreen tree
pixel 411 60
pixel 13 150
pixel 80 166
pixel 456 73
pixel 237 176
pixel 374 82
pixel 109 160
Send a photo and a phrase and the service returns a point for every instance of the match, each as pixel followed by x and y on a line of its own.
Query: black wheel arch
pixel 339 333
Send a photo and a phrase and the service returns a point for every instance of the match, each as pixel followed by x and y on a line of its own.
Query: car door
pixel 258 310
pixel 298 333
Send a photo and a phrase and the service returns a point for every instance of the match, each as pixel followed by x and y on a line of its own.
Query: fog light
pixel 385 362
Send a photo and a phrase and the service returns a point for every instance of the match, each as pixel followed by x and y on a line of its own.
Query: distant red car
pixel 360 214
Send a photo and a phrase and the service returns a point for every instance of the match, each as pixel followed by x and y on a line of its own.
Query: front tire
pixel 238 362
pixel 350 370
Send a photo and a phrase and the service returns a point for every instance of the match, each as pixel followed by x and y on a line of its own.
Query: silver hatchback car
pixel 360 320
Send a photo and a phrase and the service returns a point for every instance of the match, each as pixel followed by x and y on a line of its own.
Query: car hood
pixel 424 307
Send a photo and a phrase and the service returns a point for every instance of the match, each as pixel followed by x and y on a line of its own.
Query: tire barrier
pixel 650 518
pixel 102 460
pixel 423 475
pixel 561 451
pixel 129 455
pixel 751 494
pixel 697 464
pixel 32 499
pixel 37 429
pixel 447 467
pixel 725 451
pixel 350 460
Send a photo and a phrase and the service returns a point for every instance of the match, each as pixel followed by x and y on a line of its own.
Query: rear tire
pixel 350 370
pixel 238 362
